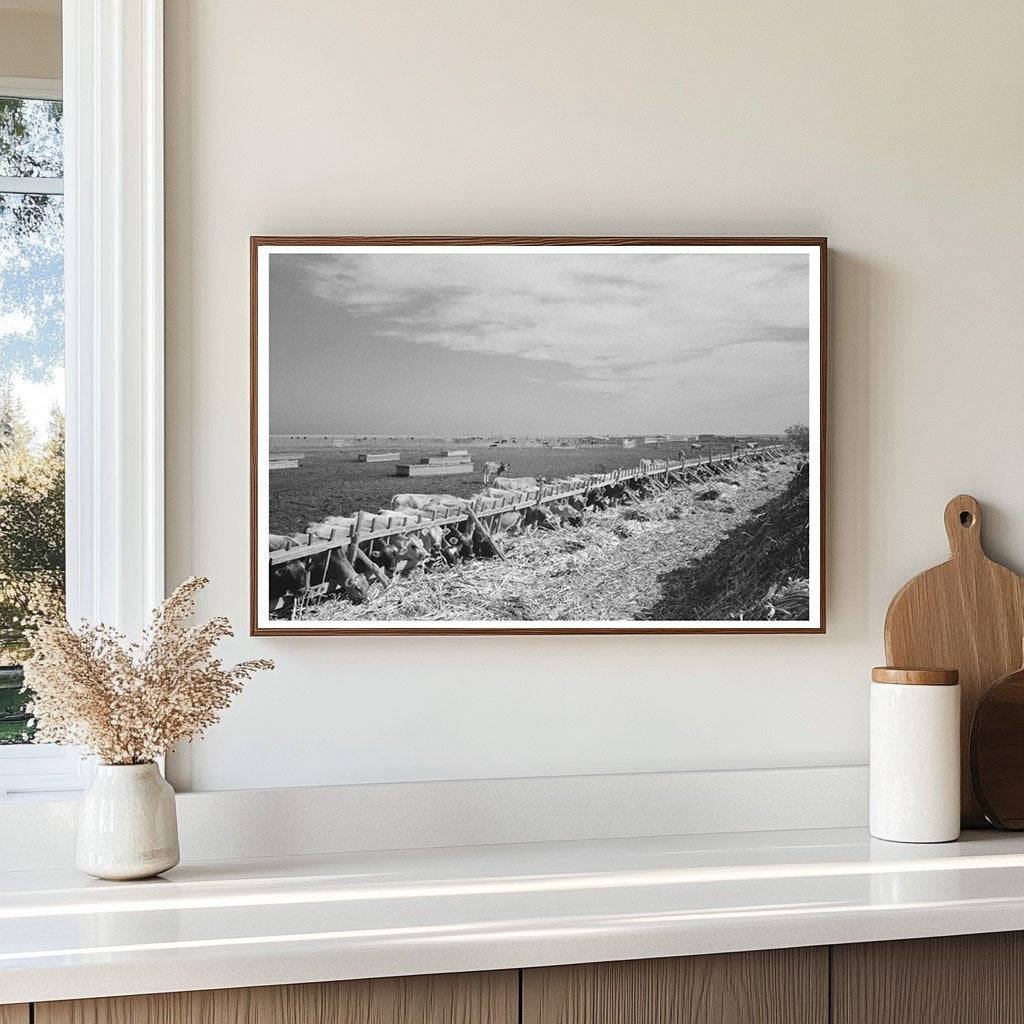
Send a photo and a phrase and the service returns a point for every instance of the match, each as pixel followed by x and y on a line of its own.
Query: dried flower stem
pixel 129 703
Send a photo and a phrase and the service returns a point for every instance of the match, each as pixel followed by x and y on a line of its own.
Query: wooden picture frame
pixel 364 549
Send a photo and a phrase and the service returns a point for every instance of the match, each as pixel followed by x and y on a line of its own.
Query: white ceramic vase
pixel 127 825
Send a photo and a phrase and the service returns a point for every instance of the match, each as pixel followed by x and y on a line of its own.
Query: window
pixel 32 549
pixel 85 179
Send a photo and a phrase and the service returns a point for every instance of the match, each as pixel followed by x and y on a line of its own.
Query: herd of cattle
pixel 348 555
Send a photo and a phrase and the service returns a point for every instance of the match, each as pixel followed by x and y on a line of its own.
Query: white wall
pixel 895 129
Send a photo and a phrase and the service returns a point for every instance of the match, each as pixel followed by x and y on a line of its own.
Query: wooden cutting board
pixel 967 614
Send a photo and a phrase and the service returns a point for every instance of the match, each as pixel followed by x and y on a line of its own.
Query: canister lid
pixel 916 676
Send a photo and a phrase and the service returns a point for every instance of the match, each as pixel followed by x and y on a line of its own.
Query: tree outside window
pixel 31 387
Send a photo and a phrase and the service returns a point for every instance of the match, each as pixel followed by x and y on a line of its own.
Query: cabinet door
pixel 490 998
pixel 14 1013
pixel 962 979
pixel 778 986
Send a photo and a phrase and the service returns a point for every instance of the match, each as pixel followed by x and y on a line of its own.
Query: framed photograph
pixel 537 435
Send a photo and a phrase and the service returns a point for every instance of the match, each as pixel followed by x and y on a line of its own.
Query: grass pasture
pixel 330 481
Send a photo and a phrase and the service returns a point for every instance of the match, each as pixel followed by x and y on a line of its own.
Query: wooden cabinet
pixel 971 979
pixel 490 998
pixel 963 979
pixel 778 986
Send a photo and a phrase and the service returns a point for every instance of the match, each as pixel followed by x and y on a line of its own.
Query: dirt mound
pixel 759 571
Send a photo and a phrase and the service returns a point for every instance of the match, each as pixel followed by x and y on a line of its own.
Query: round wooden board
pixel 997 752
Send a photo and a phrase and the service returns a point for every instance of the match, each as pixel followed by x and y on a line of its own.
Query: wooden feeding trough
pixel 432 468
pixel 285 460
pixel 448 463
pixel 378 457
pixel 349 549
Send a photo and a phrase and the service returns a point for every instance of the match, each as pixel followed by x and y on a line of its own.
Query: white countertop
pixel 261 922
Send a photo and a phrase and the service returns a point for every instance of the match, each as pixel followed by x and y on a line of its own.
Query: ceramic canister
pixel 915 755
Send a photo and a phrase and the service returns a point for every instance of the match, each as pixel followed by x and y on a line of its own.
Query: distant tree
pixel 799 436
pixel 31 243
pixel 31 145
pixel 31 526
pixel 31 350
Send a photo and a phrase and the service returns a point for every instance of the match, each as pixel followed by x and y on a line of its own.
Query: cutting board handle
pixel 963 526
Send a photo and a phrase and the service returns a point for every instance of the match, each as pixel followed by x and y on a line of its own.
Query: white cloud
pixel 618 321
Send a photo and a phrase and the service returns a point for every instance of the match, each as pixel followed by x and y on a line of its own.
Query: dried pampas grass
pixel 129 703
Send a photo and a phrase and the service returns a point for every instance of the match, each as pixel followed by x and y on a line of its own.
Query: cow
pixel 515 483
pixel 332 527
pixel 576 501
pixel 287 580
pixel 504 493
pixel 331 531
pixel 737 448
pixel 418 502
pixel 340 572
pixel 507 523
pixel 401 552
pixel 429 535
pixel 493 469
pixel 447 540
pixel 540 517
pixel 696 446
pixel 564 512
pixel 530 518
pixel 413 545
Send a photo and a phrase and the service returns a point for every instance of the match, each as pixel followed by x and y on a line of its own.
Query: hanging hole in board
pixel 966 519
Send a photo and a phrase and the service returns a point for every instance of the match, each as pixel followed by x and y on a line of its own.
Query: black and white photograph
pixel 552 435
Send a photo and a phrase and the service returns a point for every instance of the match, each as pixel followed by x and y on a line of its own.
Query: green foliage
pixel 30 147
pixel 31 527
pixel 30 138
pixel 31 349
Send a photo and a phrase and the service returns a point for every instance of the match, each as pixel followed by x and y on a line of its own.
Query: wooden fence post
pixel 488 539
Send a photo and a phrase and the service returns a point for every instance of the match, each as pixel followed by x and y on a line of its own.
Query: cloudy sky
pixel 545 342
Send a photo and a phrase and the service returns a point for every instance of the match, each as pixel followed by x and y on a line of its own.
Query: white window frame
pixel 114 324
